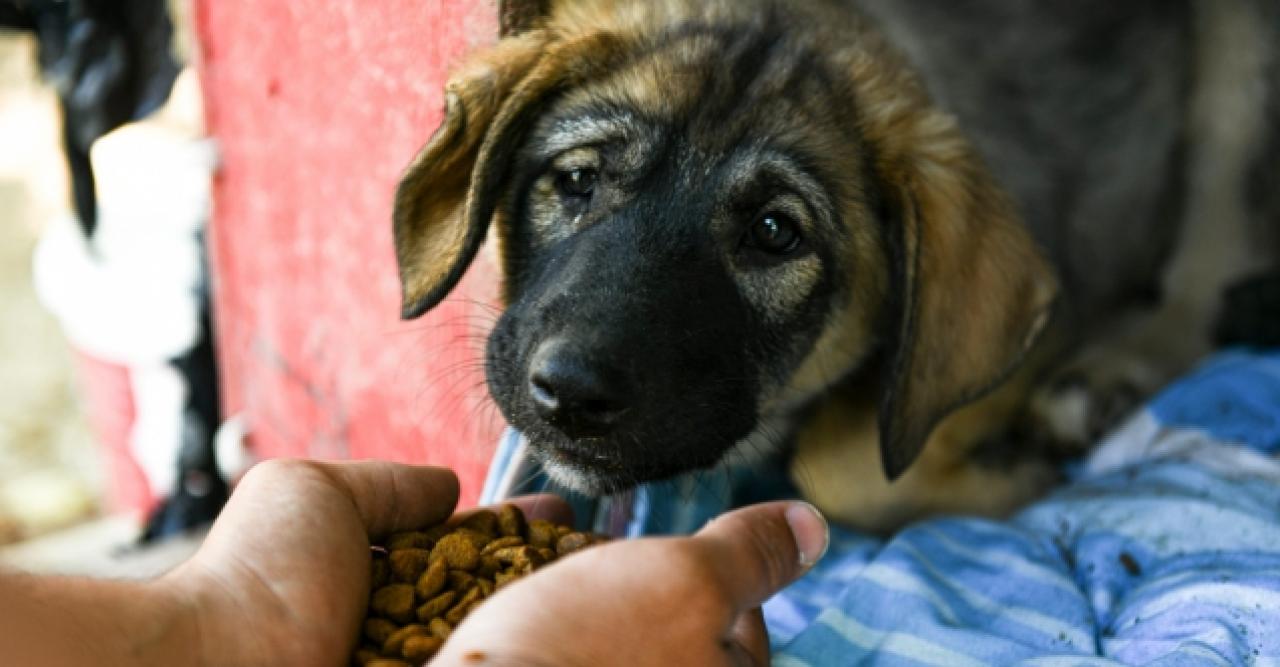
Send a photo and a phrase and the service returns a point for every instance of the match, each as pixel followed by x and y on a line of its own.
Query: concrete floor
pixel 99 548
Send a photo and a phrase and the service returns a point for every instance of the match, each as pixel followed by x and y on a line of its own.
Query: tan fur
pixel 849 336
pixel 977 290
pixel 953 347
pixel 957 313
pixel 496 95
pixel 976 302
pixel 837 462
pixel 431 233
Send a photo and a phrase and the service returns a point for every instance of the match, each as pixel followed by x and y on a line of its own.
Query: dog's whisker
pixel 457 392
pixel 470 301
pixel 480 321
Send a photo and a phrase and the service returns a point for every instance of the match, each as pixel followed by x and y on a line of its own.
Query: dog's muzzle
pixel 577 395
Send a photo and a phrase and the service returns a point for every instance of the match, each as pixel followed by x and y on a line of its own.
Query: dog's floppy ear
pixel 437 234
pixel 435 237
pixel 447 198
pixel 971 289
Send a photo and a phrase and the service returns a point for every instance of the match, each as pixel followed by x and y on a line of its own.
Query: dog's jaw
pixel 579 469
pixel 571 477
pixel 582 479
pixel 769 439
pixel 572 470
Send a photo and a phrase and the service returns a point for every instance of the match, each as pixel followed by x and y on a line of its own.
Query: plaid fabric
pixel 1163 550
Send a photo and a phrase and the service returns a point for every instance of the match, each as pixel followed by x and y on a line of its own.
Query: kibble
pixel 433 580
pixel 436 606
pixel 571 542
pixel 410 540
pixel 394 602
pixel 396 641
pixel 420 648
pixel 409 564
pixel 458 551
pixel 483 522
pixel 440 628
pixel 378 630
pixel 542 534
pixel 511 522
pixel 426 582
pixel 385 662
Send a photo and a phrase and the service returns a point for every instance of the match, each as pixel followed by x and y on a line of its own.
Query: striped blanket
pixel 1164 549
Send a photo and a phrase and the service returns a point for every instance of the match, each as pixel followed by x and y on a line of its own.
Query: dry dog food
pixel 425 582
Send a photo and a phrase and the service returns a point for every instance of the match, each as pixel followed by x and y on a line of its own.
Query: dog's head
pixel 708 214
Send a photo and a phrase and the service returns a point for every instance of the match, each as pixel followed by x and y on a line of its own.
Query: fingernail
pixel 810 531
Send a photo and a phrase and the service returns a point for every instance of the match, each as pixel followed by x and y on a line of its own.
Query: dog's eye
pixel 577 183
pixel 774 233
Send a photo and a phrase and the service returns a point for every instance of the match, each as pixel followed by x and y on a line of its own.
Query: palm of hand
pixel 284 574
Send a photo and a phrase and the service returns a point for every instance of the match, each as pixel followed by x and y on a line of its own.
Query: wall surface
pixel 318 105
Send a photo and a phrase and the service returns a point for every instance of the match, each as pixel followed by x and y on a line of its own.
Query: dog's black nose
pixel 581 398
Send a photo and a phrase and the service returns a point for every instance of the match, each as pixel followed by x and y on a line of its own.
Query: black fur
pixel 645 291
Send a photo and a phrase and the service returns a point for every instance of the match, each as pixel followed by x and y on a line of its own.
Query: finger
pixel 763 548
pixel 545 506
pixel 749 639
pixel 390 497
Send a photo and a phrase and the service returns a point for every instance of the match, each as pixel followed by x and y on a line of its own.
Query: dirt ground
pixel 49 466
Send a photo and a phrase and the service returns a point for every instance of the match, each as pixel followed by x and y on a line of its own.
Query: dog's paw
pixel 1081 405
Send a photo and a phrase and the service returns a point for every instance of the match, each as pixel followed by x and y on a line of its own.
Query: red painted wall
pixel 109 410
pixel 317 106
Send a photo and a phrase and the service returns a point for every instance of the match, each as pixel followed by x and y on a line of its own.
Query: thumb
pixel 763 548
pixel 393 496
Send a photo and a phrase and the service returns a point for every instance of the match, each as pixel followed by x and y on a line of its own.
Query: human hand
pixel 283 577
pixel 657 601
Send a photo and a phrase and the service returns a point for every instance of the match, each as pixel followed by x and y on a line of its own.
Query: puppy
pixel 906 241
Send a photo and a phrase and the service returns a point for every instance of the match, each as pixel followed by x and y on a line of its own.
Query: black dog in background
pixel 112 63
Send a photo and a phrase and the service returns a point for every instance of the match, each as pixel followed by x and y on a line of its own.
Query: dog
pixel 923 247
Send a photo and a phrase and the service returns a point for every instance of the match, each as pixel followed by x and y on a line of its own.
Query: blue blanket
pixel 1164 549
